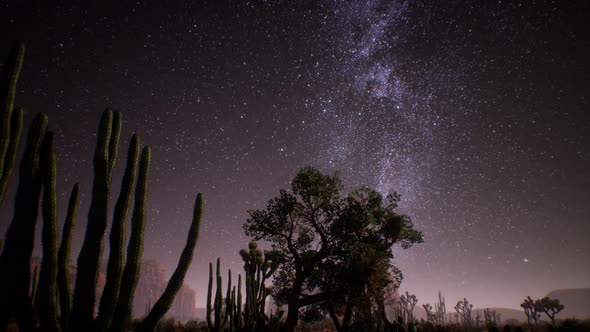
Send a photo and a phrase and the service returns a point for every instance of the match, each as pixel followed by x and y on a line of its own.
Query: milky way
pixel 476 113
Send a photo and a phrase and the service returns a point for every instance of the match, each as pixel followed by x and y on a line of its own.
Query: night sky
pixel 477 113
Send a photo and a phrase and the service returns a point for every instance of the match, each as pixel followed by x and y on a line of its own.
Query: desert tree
pixel 550 307
pixel 313 230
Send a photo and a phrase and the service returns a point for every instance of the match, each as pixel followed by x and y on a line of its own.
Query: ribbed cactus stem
pixel 90 254
pixel 113 144
pixel 209 293
pixel 231 311
pixel 134 248
pixel 115 264
pixel 216 316
pixel 48 277
pixel 175 283
pixel 15 278
pixel 64 259
pixel 10 124
pixel 16 126
pixel 34 285
pixel 239 304
pixel 227 299
pixel 218 304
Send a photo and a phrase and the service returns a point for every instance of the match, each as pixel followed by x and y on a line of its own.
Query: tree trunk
pixel 293 304
pixel 292 316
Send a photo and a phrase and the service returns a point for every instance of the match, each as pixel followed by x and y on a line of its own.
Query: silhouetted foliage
pixel 530 310
pixel 329 247
pixel 550 307
pixel 464 310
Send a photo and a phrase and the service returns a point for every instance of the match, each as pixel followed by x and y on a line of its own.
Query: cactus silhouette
pixel 37 175
pixel 440 308
pixel 134 247
pixel 11 119
pixel 20 237
pixel 235 312
pixel 64 258
pixel 90 254
pixel 115 264
pixel 258 266
pixel 220 316
pixel 48 276
pixel 175 282
pixel 464 311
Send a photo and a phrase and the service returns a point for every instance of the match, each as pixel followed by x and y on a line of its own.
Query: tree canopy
pixel 333 251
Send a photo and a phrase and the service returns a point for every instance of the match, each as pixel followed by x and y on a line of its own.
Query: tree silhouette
pixel 316 234
pixel 550 307
pixel 530 310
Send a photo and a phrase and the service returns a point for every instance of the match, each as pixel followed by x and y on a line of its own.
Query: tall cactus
pixel 11 120
pixel 220 316
pixel 115 264
pixel 134 247
pixel 258 267
pixel 464 310
pixel 90 254
pixel 48 277
pixel 175 282
pixel 440 308
pixel 37 172
pixel 64 259
pixel 34 286
pixel 19 241
pixel 235 307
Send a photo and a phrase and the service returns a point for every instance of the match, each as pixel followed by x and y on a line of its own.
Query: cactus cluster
pixel 492 318
pixel 258 266
pixel 464 312
pixel 440 308
pixel 49 298
pixel 408 303
pixel 220 317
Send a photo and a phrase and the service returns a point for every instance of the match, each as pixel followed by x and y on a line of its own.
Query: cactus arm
pixel 209 293
pixel 89 258
pixel 64 258
pixel 113 144
pixel 16 127
pixel 218 298
pixel 134 248
pixel 48 277
pixel 20 237
pixel 239 304
pixel 165 300
pixel 227 299
pixel 108 300
pixel 15 63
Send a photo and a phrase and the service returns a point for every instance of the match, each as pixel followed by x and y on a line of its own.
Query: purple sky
pixel 478 114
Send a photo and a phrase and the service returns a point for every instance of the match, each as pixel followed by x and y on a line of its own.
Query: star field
pixel 477 114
